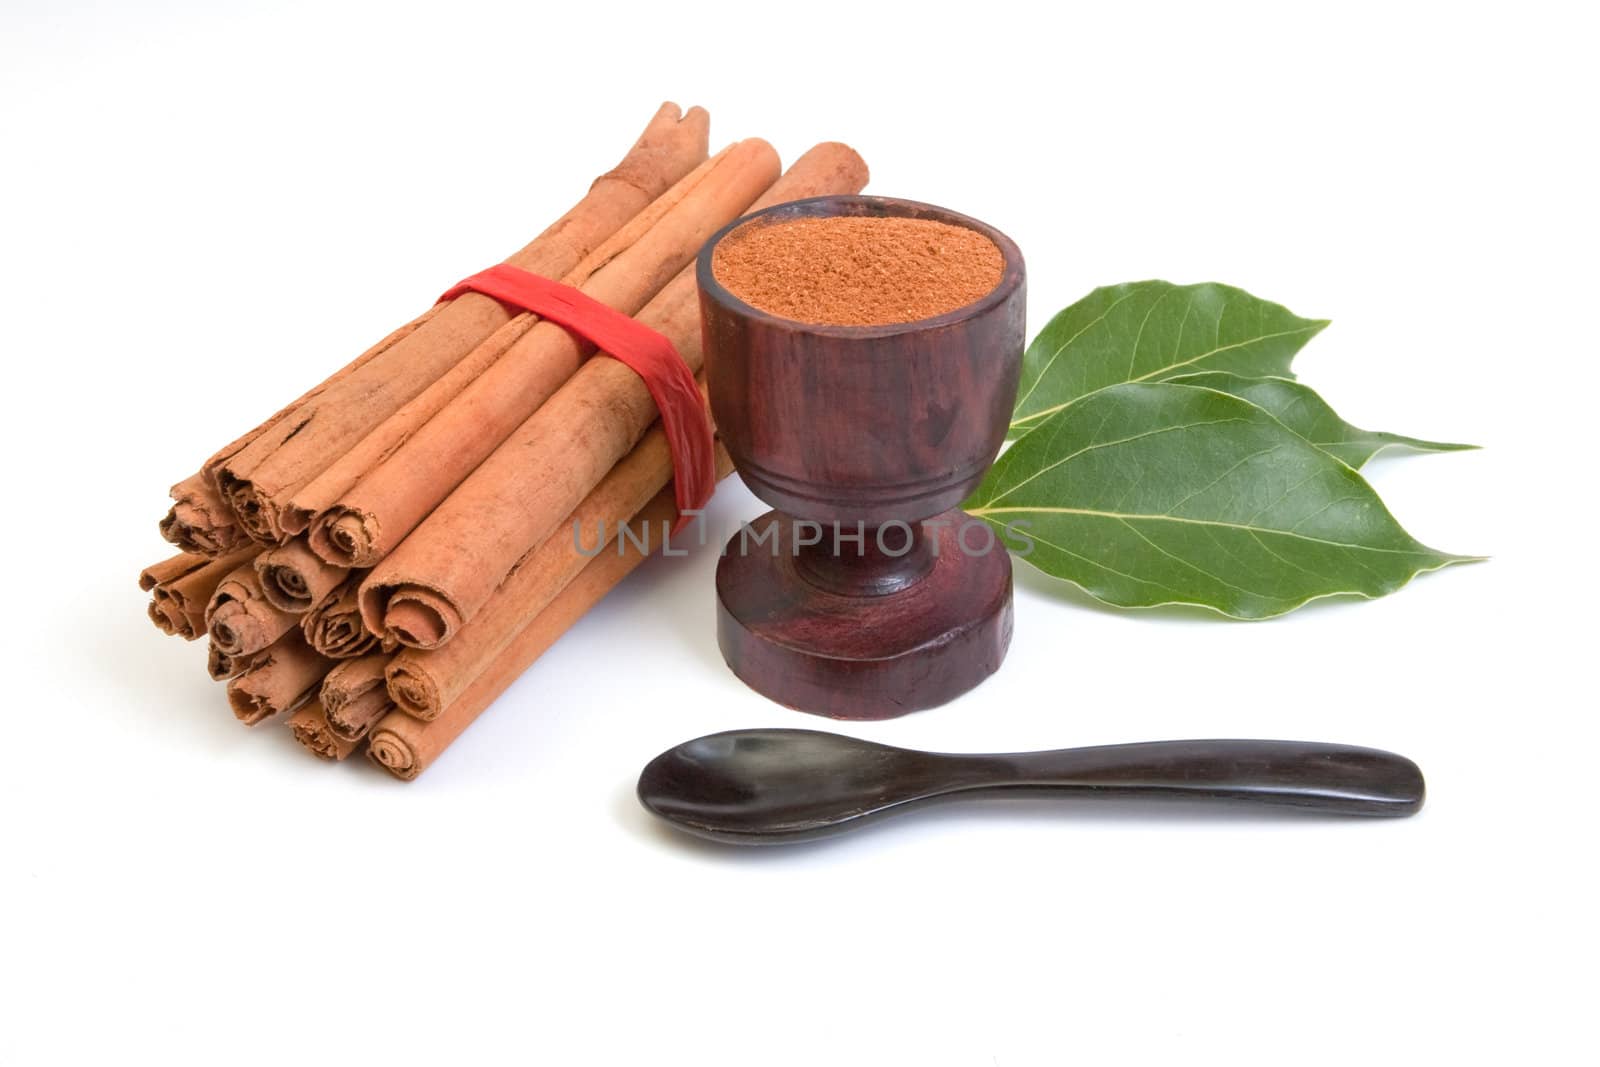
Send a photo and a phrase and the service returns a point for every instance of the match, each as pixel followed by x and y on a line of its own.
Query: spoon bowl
pixel 770 785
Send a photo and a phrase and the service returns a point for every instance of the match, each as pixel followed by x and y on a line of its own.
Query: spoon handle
pixel 1302 774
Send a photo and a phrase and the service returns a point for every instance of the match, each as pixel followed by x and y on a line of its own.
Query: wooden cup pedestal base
pixel 867 594
pixel 863 635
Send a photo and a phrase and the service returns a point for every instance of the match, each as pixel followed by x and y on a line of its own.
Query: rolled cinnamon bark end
pixel 170 570
pixel 354 696
pixel 178 623
pixel 403 612
pixel 294 578
pixel 345 536
pixel 222 666
pixel 168 619
pixel 334 627
pixel 175 614
pixel 390 747
pixel 240 619
pixel 253 508
pixel 420 619
pixel 357 716
pixel 181 588
pixel 310 727
pixel 280 679
pixel 200 520
pixel 187 623
pixel 413 687
pixel 246 707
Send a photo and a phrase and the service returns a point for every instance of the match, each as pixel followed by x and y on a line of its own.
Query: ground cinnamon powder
pixel 857 271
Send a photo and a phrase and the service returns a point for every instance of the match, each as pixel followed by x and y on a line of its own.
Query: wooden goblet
pixel 867 593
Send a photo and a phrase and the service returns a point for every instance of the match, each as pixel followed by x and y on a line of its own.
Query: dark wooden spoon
pixel 757 787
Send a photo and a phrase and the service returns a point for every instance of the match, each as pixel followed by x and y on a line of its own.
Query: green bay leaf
pixel 1147 494
pixel 1299 407
pixel 1149 332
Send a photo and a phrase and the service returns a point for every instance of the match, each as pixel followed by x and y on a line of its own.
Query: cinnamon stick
pixel 222 666
pixel 371 519
pixel 170 569
pixel 424 681
pixel 529 374
pixel 162 612
pixel 167 618
pixel 258 477
pixel 354 696
pixel 440 575
pixel 182 590
pixel 310 727
pixel 201 520
pixel 405 746
pixel 334 626
pixel 282 678
pixel 239 617
pixel 294 578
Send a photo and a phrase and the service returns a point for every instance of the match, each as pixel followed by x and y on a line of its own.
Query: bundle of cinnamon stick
pixel 378 561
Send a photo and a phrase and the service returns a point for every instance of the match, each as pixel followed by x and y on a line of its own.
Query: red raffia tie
pixel 648 353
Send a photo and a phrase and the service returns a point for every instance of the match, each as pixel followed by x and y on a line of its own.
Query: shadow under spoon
pixel 757 787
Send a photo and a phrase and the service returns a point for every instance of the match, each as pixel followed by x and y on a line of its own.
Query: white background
pixel 201 199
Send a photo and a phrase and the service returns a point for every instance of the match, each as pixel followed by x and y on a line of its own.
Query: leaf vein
pixel 1039 510
pixel 1224 474
pixel 1063 346
pixel 1108 569
pixel 1192 566
pixel 1106 444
